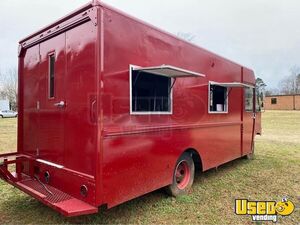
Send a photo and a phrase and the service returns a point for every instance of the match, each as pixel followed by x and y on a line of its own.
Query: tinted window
pixel 51 76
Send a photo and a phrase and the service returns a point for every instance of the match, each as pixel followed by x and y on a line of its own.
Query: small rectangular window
pixel 218 99
pixel 249 93
pixel 150 93
pixel 51 76
pixel 273 101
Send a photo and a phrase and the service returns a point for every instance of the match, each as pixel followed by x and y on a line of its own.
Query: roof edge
pixel 62 19
pixel 94 3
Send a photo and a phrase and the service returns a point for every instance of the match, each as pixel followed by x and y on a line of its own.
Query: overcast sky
pixel 261 34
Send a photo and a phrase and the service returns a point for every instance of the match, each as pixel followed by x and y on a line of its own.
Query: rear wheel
pixel 183 176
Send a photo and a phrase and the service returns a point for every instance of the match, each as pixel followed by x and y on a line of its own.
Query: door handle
pixel 93 111
pixel 60 104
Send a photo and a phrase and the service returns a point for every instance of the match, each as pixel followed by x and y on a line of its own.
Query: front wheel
pixel 183 176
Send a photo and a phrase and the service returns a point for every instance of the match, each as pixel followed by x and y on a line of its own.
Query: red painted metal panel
pixel 145 148
pixel 30 92
pixel 81 99
pixel 51 117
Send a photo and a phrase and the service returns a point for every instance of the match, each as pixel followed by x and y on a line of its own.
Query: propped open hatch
pixel 169 71
pixel 231 84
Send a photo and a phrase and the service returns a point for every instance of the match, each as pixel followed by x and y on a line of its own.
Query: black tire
pixel 1 116
pixel 183 176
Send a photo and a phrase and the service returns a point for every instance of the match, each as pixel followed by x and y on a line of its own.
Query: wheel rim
pixel 182 175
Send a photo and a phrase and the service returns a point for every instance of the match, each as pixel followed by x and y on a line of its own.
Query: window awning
pixel 232 84
pixel 169 71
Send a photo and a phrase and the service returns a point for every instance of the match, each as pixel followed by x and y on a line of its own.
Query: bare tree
pixel 186 36
pixel 272 91
pixel 2 95
pixel 291 84
pixel 9 86
pixel 260 84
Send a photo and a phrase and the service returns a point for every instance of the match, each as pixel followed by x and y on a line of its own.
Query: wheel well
pixel 196 158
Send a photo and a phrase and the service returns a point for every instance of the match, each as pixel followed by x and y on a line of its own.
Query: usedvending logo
pixel 264 210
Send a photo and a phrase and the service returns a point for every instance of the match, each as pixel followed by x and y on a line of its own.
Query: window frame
pixel 273 101
pixel 50 55
pixel 253 99
pixel 226 111
pixel 131 67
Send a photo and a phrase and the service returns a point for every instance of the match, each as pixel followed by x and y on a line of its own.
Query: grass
pixel 273 174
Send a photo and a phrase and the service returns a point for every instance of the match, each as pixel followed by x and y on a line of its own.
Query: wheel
pixel 183 176
pixel 1 116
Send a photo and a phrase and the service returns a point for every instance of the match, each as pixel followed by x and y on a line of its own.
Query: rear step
pixel 50 196
pixel 56 199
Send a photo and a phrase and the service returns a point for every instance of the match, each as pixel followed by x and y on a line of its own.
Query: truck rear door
pixel 51 100
pixel 60 99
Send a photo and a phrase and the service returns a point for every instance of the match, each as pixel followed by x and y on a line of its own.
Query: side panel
pixel 81 99
pixel 136 164
pixel 140 151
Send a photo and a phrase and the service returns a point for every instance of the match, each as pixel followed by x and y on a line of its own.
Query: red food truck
pixel 111 108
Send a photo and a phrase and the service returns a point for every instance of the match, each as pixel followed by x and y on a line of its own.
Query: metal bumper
pixel 30 184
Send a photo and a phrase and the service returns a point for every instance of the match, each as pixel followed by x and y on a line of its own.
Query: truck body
pixel 108 103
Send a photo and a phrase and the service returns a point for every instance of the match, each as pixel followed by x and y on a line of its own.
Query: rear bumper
pixel 33 186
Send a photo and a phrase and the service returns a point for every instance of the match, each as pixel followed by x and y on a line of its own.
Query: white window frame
pixel 131 67
pixel 210 83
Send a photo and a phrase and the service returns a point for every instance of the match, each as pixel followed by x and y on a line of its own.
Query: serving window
pixel 219 92
pixel 151 93
pixel 218 99
pixel 151 88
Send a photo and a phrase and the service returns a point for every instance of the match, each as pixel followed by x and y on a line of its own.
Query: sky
pixel 263 35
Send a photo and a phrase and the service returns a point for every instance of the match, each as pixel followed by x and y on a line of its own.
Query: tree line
pixel 9 86
pixel 289 85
